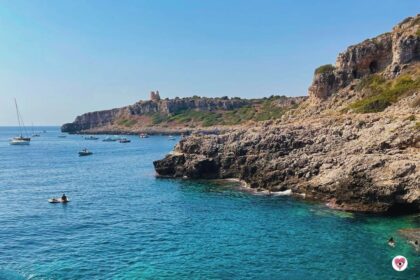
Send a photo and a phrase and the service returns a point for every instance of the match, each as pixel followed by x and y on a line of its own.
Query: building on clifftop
pixel 154 96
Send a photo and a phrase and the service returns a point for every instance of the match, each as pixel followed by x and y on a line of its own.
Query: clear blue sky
pixel 64 58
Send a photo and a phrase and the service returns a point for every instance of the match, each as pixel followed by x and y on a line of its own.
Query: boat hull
pixel 19 142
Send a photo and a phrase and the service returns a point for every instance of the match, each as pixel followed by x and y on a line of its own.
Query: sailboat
pixel 20 140
pixel 34 134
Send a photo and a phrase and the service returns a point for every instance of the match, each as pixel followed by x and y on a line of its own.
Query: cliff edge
pixel 180 115
pixel 354 143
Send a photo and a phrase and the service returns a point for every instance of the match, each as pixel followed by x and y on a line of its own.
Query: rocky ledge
pixel 353 146
pixel 368 164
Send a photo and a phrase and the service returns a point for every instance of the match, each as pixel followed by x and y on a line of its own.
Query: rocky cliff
pixel 355 143
pixel 388 53
pixel 179 114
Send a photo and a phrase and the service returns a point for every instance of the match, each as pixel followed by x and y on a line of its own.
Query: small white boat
pixel 19 141
pixel 144 135
pixel 34 134
pixel 57 200
pixel 170 137
pixel 124 140
pixel 85 152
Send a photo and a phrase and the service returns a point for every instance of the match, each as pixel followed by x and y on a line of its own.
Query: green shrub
pixel 127 122
pixel 383 93
pixel 158 118
pixel 324 69
pixel 373 82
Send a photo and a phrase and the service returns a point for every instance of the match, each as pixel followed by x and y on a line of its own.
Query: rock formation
pixel 324 150
pixel 140 113
pixel 389 52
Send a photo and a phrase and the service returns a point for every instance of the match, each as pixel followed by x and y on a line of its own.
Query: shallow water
pixel 123 223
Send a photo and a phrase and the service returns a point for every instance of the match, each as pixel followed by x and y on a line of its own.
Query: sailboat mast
pixel 18 117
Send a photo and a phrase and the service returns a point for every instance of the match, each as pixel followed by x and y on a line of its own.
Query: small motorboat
pixel 57 200
pixel 170 137
pixel 91 138
pixel 85 152
pixel 35 135
pixel 124 140
pixel 62 136
pixel 144 135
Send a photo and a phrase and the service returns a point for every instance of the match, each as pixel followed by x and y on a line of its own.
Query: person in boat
pixel 391 242
pixel 64 198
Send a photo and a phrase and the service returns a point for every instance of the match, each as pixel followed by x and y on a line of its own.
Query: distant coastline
pixel 183 115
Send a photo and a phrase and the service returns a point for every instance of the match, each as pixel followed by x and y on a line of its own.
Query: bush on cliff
pixel 127 122
pixel 383 93
pixel 324 69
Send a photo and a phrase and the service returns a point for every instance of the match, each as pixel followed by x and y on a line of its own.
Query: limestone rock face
pixel 156 105
pixel 367 162
pixel 364 164
pixel 389 51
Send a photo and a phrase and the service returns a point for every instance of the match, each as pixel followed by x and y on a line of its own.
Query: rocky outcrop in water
pixel 362 164
pixel 351 161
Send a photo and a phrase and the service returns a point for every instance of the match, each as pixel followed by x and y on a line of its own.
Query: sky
pixel 60 58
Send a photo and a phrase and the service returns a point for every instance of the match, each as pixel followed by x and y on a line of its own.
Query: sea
pixel 122 222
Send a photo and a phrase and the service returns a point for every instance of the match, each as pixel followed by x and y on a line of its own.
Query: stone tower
pixel 154 96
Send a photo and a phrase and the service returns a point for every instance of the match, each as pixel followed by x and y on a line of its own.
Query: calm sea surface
pixel 123 223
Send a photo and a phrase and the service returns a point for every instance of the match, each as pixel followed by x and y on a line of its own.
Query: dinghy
pixel 57 200
pixel 85 152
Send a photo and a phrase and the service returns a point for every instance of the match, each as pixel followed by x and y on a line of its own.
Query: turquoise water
pixel 123 223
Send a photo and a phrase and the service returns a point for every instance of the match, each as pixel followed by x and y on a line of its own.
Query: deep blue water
pixel 123 223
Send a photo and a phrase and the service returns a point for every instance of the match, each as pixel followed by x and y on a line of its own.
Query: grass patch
pixel 259 110
pixel 127 122
pixel 206 118
pixel 158 118
pixel 383 93
pixel 324 69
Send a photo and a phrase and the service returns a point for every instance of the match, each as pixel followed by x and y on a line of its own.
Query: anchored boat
pixel 20 140
pixel 85 152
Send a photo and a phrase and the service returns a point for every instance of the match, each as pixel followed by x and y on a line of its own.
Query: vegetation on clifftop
pixel 261 110
pixel 324 69
pixel 381 93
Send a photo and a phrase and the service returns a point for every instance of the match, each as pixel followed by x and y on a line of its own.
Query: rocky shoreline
pixel 357 165
pixel 354 144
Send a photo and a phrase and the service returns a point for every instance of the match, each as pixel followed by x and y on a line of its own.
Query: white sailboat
pixel 34 134
pixel 20 140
